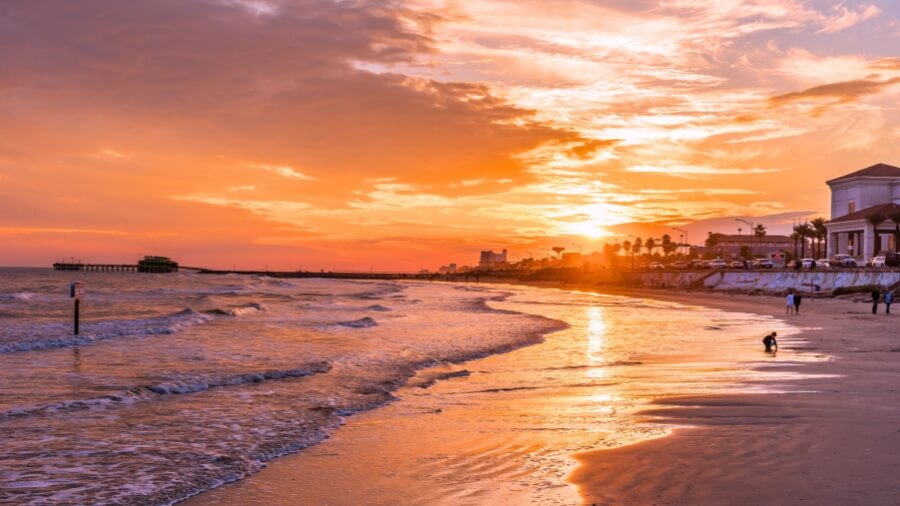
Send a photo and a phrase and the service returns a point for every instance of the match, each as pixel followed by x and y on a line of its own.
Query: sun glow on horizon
pixel 592 229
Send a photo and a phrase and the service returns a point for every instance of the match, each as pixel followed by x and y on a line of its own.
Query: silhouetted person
pixel 797 299
pixel 789 308
pixel 888 300
pixel 875 296
pixel 770 342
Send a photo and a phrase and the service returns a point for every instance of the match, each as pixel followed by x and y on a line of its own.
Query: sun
pixel 591 229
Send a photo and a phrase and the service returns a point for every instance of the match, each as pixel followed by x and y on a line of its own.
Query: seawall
pixel 776 281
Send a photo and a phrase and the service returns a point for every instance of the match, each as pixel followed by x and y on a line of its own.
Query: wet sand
pixel 494 435
pixel 836 441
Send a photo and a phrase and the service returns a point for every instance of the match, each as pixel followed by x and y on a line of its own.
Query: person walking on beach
pixel 789 309
pixel 797 299
pixel 770 342
pixel 888 300
pixel 876 294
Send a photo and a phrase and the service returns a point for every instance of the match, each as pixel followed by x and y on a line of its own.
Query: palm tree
pixel 636 247
pixel 876 219
pixel 895 217
pixel 759 230
pixel 627 246
pixel 804 231
pixel 818 225
pixel 821 233
pixel 650 244
pixel 668 246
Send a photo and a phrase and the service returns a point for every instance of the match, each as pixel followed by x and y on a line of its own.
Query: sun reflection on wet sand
pixel 506 432
pixel 596 341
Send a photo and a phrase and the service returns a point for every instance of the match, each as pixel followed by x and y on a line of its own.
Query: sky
pixel 402 135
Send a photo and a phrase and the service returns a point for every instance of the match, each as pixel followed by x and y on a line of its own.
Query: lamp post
pixel 752 231
pixel 685 236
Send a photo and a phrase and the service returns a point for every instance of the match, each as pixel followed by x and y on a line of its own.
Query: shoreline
pixel 355 434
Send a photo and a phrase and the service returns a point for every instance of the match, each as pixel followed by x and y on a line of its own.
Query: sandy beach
pixel 827 436
pixel 833 440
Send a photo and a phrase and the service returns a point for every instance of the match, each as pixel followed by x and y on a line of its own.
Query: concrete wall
pixel 668 278
pixel 768 281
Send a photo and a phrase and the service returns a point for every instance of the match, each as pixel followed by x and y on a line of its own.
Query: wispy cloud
pixel 844 17
pixel 695 170
pixel 112 154
pixel 284 171
pixel 841 92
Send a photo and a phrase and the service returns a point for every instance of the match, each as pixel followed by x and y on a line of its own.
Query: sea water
pixel 181 382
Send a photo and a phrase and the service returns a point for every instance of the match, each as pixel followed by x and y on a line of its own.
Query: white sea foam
pixel 175 386
pixel 19 296
pixel 57 335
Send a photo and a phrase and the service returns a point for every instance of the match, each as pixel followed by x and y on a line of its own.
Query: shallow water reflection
pixel 504 433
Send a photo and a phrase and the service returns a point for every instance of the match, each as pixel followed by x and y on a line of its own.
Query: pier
pixel 149 264
pixel 80 267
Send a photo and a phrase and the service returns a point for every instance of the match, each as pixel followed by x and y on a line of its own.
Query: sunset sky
pixel 409 134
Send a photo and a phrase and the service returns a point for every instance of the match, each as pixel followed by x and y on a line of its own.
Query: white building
pixel 854 199
pixel 489 258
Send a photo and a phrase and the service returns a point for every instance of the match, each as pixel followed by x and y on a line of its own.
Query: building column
pixel 831 247
pixel 868 239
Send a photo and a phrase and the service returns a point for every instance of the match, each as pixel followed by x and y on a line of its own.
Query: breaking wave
pixel 57 336
pixel 187 385
pixel 242 310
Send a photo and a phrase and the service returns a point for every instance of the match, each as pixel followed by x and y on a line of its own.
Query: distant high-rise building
pixel 490 258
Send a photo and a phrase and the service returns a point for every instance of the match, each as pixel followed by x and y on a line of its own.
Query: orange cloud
pixel 842 92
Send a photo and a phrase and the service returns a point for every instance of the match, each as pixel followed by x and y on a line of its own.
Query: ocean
pixel 179 383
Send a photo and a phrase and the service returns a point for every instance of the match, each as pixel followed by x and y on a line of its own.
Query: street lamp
pixel 685 237
pixel 752 232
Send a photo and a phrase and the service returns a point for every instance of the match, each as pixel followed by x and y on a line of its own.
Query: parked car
pixel 680 265
pixel 763 263
pixel 844 260
pixel 718 264
pixel 892 259
pixel 807 263
pixel 704 264
pixel 876 262
pixel 656 265
pixel 823 263
pixel 736 264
